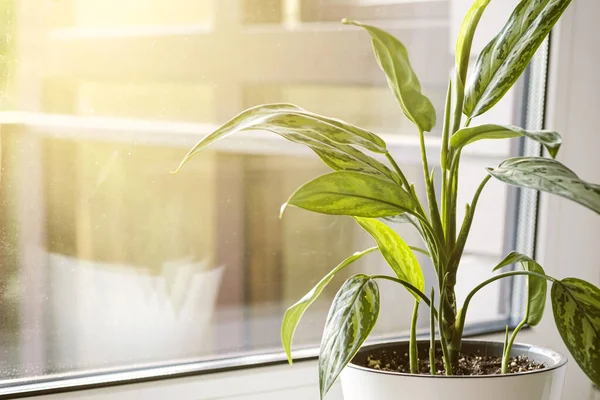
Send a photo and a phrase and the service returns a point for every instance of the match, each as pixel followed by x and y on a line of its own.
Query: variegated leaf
pixel 505 58
pixel 352 193
pixel 396 252
pixel 293 314
pixel 351 319
pixel 550 139
pixel 576 306
pixel 330 138
pixel 393 59
pixel 548 176
pixel 465 36
pixel 537 288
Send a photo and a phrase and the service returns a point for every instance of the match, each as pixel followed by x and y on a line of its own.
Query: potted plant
pixel 373 192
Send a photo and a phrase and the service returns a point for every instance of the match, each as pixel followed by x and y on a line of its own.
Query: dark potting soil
pixel 468 364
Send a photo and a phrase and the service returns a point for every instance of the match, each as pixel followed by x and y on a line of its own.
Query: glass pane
pixel 109 260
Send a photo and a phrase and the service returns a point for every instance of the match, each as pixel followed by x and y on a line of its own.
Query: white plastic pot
pixel 360 383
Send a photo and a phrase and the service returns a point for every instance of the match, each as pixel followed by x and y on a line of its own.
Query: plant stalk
pixel 413 355
pixel 410 287
pixel 513 337
pixel 505 346
pixel 460 323
pixel 432 367
pixel 398 170
pixel 449 366
pixel 444 156
pixel 434 212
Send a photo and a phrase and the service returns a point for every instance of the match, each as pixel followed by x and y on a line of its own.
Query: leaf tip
pixel 282 209
pixel 179 167
pixel 289 357
pixel 347 21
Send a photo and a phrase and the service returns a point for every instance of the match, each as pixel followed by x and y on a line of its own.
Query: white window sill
pixel 296 382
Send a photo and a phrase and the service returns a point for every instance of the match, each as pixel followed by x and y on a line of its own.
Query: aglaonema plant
pixel 373 192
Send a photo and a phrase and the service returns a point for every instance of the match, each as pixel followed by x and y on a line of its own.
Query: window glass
pixel 109 260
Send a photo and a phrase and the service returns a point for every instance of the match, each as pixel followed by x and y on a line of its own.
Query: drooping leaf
pixel 550 139
pixel 294 313
pixel 352 193
pixel 576 307
pixel 393 59
pixel 465 36
pixel 330 138
pixel 537 287
pixel 505 58
pixel 396 252
pixel 351 318
pixel 548 176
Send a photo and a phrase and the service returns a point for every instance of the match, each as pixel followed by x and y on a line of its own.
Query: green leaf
pixel 505 58
pixel 576 307
pixel 396 252
pixel 537 287
pixel 294 313
pixel 352 193
pixel 351 319
pixel 548 176
pixel 550 139
pixel 330 138
pixel 465 37
pixel 393 59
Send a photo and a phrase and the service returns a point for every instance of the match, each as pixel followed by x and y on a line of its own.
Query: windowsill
pixel 103 378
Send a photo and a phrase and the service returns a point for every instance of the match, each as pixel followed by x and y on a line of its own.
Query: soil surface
pixel 468 364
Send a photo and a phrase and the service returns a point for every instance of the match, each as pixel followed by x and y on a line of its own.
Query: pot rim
pixel 560 362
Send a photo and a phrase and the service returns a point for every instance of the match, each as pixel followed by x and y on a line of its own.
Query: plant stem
pixel 432 367
pixel 466 228
pixel 410 287
pixel 460 323
pixel 398 170
pixel 430 190
pixel 504 347
pixel 451 196
pixel 443 332
pixel 420 250
pixel 509 345
pixel 448 328
pixel 413 355
pixel 444 155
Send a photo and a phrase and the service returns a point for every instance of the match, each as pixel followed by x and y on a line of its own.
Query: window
pixel 109 261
